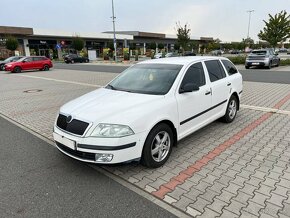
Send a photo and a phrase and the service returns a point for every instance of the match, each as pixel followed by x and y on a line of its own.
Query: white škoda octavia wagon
pixel 147 109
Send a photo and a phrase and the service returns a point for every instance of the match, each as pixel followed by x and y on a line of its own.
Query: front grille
pixel 80 154
pixel 77 127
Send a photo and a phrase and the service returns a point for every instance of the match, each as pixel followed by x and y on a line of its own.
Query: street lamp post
pixel 250 13
pixel 114 30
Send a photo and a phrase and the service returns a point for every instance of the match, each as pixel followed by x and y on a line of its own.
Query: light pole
pixel 250 13
pixel 114 30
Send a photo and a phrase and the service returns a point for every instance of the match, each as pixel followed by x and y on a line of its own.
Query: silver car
pixel 262 58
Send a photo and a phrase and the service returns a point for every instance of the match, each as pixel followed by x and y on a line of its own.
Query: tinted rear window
pixel 231 69
pixel 215 70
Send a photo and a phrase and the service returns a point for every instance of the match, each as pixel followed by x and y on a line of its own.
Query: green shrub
pixel 238 59
pixel 285 62
pixel 11 43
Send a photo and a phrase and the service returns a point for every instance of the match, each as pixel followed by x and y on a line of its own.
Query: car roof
pixel 181 60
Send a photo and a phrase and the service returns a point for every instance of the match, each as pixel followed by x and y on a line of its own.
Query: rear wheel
pixel 158 146
pixel 17 70
pixel 231 111
pixel 46 68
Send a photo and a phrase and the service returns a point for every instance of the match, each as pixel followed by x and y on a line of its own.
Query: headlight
pixel 104 130
pixel 8 65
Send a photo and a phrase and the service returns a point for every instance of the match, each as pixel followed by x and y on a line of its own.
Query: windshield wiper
pixel 111 87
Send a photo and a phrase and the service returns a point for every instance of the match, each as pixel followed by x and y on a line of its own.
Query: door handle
pixel 229 84
pixel 207 92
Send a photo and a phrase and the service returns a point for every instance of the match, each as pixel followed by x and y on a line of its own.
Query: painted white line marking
pixel 62 81
pixel 265 109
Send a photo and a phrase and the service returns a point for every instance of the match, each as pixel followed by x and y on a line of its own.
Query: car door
pixel 37 62
pixel 27 64
pixel 193 106
pixel 220 88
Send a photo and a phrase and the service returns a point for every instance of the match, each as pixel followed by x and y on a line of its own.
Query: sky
pixel 223 19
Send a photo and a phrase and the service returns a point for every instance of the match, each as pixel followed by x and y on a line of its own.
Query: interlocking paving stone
pixel 235 182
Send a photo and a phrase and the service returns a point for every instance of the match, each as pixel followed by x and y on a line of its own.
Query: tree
pixel 11 43
pixel 176 46
pixel 248 42
pixel 183 35
pixel 78 43
pixel 160 46
pixel 152 45
pixel 277 29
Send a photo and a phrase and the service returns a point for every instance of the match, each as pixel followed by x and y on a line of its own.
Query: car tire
pixel 158 146
pixel 46 68
pixel 270 65
pixel 2 67
pixel 231 111
pixel 247 67
pixel 72 61
pixel 87 61
pixel 278 63
pixel 17 70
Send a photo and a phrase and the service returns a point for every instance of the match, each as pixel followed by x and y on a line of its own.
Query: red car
pixel 29 63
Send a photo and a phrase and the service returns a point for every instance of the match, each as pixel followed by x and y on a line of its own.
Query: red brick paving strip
pixel 187 173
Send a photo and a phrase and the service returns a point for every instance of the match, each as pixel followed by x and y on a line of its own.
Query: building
pixel 52 43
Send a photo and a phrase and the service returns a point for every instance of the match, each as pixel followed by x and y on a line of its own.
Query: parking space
pixel 223 170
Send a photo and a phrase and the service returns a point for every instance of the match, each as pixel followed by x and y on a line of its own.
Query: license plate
pixel 255 63
pixel 65 141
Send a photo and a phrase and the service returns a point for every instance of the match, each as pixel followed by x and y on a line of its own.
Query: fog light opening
pixel 104 157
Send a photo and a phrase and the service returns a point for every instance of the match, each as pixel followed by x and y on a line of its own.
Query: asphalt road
pixel 38 181
pixel 253 75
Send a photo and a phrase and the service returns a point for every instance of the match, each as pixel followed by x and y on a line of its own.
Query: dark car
pixel 73 58
pixel 29 63
pixel 235 51
pixel 8 60
pixel 189 53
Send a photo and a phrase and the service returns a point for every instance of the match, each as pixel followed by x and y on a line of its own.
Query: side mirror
pixel 188 87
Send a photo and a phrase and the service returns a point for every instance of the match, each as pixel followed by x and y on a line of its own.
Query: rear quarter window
pixel 230 68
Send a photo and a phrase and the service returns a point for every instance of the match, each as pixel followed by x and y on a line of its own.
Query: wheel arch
pixel 238 99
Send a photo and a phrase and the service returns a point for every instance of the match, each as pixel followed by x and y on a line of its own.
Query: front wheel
pixel 158 146
pixel 231 111
pixel 17 70
pixel 2 67
pixel 270 65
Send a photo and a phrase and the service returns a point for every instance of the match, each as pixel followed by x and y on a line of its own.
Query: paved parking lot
pixel 224 170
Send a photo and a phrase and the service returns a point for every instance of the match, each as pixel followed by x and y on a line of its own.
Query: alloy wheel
pixel 160 146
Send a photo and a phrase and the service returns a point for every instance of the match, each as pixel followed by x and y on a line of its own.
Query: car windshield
pixel 262 52
pixel 21 59
pixel 155 79
pixel 10 59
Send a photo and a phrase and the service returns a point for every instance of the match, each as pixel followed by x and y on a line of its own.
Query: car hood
pixel 109 106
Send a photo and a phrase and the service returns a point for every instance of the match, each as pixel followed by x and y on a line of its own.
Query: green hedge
pixel 285 62
pixel 238 59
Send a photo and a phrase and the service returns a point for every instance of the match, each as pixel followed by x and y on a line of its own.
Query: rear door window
pixel 215 70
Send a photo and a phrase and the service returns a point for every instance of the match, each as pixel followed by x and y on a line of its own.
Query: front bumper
pixel 85 148
pixel 8 68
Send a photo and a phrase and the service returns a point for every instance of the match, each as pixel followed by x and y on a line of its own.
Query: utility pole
pixel 114 30
pixel 250 13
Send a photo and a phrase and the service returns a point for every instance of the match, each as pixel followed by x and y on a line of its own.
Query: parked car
pixel 283 50
pixel 73 58
pixel 171 54
pixel 235 51
pixel 8 60
pixel 217 52
pixel 189 53
pixel 262 58
pixel 143 112
pixel 29 63
pixel 158 55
